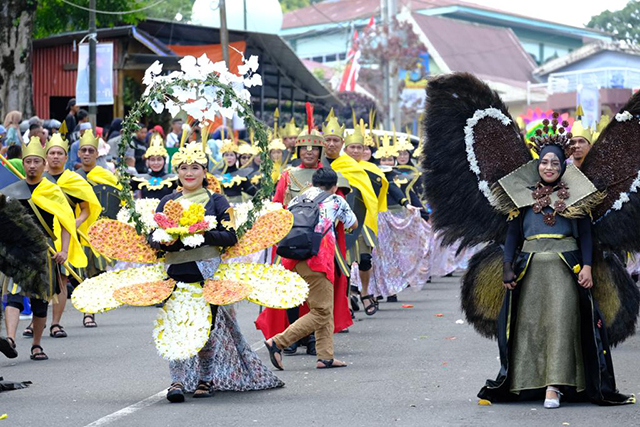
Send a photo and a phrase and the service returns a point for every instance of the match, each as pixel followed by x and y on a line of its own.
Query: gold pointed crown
pixel 604 121
pixel 370 138
pixel 229 146
pixel 578 130
pixel 552 133
pixel 190 153
pixel 57 141
pixel 357 136
pixel 156 147
pixel 290 129
pixel 386 149
pixel 88 139
pixel 276 144
pixel 332 127
pixel 34 148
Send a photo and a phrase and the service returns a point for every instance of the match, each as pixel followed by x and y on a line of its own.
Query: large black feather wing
pixel 613 165
pixel 471 142
pixel 23 248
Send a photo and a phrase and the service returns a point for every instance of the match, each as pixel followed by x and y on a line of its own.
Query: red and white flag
pixel 352 70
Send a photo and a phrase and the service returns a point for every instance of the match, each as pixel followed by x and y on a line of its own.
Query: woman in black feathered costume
pixel 534 294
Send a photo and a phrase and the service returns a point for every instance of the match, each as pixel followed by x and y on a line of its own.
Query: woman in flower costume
pixel 186 265
pixel 157 183
pixel 555 300
pixel 234 180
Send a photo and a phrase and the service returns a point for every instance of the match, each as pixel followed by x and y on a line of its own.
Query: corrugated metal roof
pixel 478 49
pixel 50 78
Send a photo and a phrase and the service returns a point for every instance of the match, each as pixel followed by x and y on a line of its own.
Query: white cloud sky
pixel 571 12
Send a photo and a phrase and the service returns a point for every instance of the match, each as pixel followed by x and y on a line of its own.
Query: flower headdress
pixel 552 133
pixel 229 146
pixel 192 152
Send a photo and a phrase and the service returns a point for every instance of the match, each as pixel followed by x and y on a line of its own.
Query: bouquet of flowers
pixel 183 220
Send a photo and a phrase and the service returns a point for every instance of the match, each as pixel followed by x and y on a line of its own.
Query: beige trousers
pixel 320 317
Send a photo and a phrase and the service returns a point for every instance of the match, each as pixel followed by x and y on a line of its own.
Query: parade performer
pixel 361 252
pixel 402 254
pixel 317 271
pixel 106 186
pixel 557 297
pixel 48 206
pixel 289 134
pixel 157 183
pixel 84 204
pixel 23 252
pixel 580 142
pixel 293 183
pixel 234 180
pixel 362 198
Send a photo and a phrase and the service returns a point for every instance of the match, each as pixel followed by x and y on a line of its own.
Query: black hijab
pixel 558 151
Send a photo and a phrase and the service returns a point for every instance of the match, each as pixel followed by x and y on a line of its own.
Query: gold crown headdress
pixel 332 127
pixel 88 139
pixel 552 133
pixel 229 146
pixel 310 137
pixel 290 129
pixel 156 147
pixel 189 153
pixel 370 138
pixel 57 141
pixel 403 143
pixel 244 148
pixel 276 144
pixel 34 148
pixel 357 136
pixel 386 149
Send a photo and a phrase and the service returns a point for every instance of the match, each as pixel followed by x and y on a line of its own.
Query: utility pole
pixel 244 8
pixel 394 113
pixel 224 34
pixel 93 109
pixel 384 14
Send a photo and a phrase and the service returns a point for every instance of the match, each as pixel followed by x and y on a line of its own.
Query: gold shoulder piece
pixel 513 214
pixel 231 223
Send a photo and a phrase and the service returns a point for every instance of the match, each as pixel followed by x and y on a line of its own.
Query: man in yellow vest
pixel 83 202
pixel 362 198
pixel 48 206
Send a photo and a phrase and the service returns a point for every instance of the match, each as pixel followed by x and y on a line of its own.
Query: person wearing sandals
pixel 106 187
pixel 195 265
pixel 84 204
pixel 48 205
pixel 362 199
pixel 317 271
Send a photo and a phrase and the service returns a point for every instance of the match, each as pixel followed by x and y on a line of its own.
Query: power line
pixel 107 12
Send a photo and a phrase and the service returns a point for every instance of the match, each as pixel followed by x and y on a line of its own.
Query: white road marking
pixel 129 410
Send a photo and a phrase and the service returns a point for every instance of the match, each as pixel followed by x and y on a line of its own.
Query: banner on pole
pixel 104 74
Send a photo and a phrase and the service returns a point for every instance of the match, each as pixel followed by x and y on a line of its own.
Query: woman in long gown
pixel 229 363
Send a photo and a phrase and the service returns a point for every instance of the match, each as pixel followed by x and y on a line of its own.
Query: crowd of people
pixel 373 238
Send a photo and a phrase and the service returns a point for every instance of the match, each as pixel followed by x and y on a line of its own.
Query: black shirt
pixel 217 206
pixel 46 216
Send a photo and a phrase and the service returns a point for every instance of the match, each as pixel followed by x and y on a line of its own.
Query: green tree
pixel 289 5
pixel 55 16
pixel 624 24
pixel 168 9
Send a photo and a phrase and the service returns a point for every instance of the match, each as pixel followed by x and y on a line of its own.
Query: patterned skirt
pixel 401 257
pixel 226 359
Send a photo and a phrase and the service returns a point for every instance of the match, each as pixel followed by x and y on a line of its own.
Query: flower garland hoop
pixel 204 90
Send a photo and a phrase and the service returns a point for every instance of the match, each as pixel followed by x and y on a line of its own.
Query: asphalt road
pixel 408 367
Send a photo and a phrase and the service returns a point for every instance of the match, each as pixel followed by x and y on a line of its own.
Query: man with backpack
pixel 318 270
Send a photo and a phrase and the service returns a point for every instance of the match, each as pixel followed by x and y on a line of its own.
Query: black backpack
pixel 303 241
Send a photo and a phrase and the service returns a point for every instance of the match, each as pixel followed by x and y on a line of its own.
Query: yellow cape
pixel 100 175
pixel 75 186
pixel 49 197
pixel 384 190
pixel 359 179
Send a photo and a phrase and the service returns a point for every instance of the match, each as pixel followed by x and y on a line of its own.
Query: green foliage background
pixel 624 24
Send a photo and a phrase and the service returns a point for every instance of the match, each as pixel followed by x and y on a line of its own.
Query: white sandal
pixel 552 403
